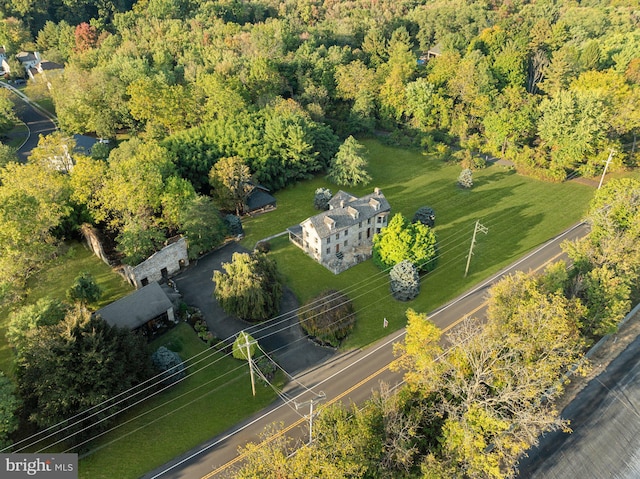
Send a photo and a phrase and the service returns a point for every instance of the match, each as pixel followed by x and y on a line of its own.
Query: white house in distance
pixel 342 236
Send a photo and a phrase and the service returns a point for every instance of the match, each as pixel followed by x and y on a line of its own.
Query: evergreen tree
pixel 349 166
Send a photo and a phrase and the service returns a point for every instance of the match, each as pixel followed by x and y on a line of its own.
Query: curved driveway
pixel 37 120
pixel 346 377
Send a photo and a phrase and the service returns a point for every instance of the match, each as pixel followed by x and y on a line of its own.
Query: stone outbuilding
pixel 160 265
pixel 342 236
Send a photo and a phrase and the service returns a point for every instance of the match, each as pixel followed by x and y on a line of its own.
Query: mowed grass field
pixel 215 395
pixel 520 214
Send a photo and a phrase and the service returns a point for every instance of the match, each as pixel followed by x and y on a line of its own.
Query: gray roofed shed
pixel 138 308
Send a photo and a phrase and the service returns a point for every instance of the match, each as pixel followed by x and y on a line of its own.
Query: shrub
pixel 266 367
pixel 263 247
pixel 321 199
pixel 202 330
pixel 465 180
pixel 328 318
pixel 169 363
pixel 240 346
pixel 425 215
pixel 234 225
pixel 405 282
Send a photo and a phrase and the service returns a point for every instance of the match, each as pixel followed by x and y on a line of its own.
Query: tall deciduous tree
pixel 45 312
pixel 349 166
pixel 134 183
pixel 403 240
pixel 230 179
pixel 33 201
pixel 484 393
pixel 250 286
pixel 202 224
pixel 7 114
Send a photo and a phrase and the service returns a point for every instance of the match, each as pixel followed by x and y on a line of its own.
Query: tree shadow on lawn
pixel 507 228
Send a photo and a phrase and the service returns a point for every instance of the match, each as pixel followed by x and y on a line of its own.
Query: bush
pixel 240 346
pixel 169 363
pixel 234 225
pixel 405 282
pixel 266 367
pixel 328 318
pixel 202 330
pixel 321 199
pixel 263 247
pixel 425 215
pixel 465 180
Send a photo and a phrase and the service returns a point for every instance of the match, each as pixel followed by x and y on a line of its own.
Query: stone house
pixel 342 236
pixel 160 265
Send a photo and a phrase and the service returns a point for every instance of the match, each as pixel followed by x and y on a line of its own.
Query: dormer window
pixel 354 213
pixel 330 222
pixel 375 204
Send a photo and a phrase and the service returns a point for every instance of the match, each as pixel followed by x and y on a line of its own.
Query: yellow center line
pixel 356 386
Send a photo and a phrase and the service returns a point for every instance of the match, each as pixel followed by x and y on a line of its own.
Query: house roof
pixel 25 57
pixel 136 309
pixel 259 198
pixel 347 210
pixel 47 65
pixel 84 143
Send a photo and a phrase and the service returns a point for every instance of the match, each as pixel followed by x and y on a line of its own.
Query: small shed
pixel 259 200
pixel 146 308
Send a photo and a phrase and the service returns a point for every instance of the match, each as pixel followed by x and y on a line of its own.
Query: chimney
pixel 376 190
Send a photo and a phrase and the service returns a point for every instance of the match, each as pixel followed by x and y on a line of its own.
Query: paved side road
pixel 38 122
pixel 282 335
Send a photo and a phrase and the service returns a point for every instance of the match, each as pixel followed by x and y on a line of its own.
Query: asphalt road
pixel 347 377
pixel 38 122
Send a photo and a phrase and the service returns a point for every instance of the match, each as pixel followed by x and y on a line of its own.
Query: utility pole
pixel 477 228
pixel 248 344
pixel 611 153
pixel 311 403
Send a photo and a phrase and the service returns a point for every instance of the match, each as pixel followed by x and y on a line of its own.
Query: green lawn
pixel 54 281
pixel 206 404
pixel 519 212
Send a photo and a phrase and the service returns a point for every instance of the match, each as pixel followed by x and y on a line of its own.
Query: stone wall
pixel 163 264
pixel 92 237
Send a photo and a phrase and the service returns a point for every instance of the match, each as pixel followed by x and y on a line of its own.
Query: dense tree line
pixel 551 85
pixel 472 409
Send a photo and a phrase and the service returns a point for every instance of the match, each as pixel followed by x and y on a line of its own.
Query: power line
pixel 287 316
